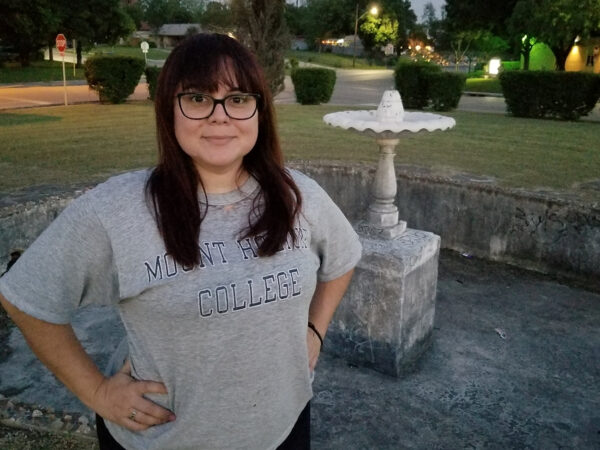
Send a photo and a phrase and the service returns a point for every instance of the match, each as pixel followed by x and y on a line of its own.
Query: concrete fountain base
pixel 386 319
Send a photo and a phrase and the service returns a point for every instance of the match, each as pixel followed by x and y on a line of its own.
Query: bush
pixel 313 85
pixel 564 95
pixel 411 81
pixel 113 77
pixel 445 89
pixel 152 74
pixel 510 65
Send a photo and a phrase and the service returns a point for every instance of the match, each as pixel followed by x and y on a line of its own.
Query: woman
pixel 225 267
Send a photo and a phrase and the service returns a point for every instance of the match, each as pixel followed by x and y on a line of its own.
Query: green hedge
pixel 563 95
pixel 114 77
pixel 445 89
pixel 152 74
pixel 411 81
pixel 313 85
pixel 510 65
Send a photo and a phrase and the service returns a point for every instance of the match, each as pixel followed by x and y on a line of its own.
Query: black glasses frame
pixel 217 101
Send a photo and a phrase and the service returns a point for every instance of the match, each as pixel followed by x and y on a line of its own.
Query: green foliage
pixel 113 77
pixel 412 82
pixel 159 12
pixel 488 15
pixel 152 74
pixel 26 26
pixel 539 94
pixel 313 85
pixel 510 65
pixel 445 89
pixel 541 57
pixel 378 31
pixel 216 17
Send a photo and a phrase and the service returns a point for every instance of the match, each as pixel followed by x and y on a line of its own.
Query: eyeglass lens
pixel 201 106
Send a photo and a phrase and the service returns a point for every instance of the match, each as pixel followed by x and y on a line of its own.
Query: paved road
pixel 352 88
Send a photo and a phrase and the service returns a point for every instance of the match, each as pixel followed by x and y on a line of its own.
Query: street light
pixel 373 10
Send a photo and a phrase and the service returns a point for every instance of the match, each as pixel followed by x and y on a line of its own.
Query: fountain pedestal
pixel 382 220
pixel 386 319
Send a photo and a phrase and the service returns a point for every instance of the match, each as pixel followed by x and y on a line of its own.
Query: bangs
pixel 205 71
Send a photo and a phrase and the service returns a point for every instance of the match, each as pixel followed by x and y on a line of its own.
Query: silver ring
pixel 133 414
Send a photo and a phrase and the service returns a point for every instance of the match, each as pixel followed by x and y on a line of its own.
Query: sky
pixel 418 5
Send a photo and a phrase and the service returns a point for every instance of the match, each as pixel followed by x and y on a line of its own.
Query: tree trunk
pixel 24 58
pixel 561 57
pixel 526 55
pixel 50 48
pixel 79 50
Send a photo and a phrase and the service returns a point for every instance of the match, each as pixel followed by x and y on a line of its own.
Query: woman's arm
pixel 327 297
pixel 113 398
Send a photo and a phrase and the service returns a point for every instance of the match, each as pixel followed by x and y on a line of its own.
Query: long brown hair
pixel 202 62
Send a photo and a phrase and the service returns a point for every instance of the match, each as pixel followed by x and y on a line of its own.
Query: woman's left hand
pixel 314 348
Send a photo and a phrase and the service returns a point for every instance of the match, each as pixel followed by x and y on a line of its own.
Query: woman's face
pixel 218 143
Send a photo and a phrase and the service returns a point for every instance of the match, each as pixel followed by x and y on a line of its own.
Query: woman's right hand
pixel 120 399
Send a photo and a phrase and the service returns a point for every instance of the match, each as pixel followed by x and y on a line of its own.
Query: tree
pixel 488 45
pixel 216 17
pixel 260 25
pixel 330 18
pixel 298 19
pixel 461 43
pixel 401 12
pixel 558 23
pixel 490 15
pixel 523 28
pixel 25 25
pixel 378 31
pixel 159 12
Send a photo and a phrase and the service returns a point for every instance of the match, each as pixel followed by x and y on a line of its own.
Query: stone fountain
pixel 386 319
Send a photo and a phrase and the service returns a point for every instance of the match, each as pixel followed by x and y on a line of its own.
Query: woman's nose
pixel 219 114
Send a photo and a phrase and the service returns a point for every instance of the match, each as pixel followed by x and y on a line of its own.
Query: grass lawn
pixel 484 85
pixel 38 71
pixel 153 53
pixel 331 60
pixel 65 145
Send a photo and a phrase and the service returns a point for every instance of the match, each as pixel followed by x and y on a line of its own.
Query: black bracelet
pixel 312 327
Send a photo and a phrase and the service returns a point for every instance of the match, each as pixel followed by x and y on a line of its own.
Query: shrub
pixel 113 77
pixel 445 89
pixel 510 65
pixel 152 74
pixel 313 85
pixel 564 95
pixel 411 81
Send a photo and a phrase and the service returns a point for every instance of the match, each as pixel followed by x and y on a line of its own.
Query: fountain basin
pixel 367 122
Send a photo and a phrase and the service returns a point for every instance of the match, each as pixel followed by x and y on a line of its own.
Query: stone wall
pixel 533 231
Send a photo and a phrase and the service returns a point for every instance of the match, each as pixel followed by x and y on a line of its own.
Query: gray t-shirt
pixel 227 338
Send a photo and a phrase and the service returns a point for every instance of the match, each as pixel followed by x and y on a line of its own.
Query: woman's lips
pixel 218 139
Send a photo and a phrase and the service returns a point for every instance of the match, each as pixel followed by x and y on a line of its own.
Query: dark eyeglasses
pixel 197 106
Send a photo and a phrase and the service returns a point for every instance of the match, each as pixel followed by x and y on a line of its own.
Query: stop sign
pixel 61 43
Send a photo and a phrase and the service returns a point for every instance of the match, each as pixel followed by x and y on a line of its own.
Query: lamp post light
pixel 373 10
